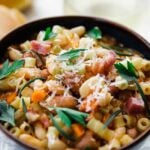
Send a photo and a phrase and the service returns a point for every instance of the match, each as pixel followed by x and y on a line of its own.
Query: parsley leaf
pixel 95 33
pixel 61 131
pixel 73 53
pixel 28 83
pixel 7 113
pixel 71 115
pixel 49 34
pixel 65 119
pixel 24 106
pixel 129 73
pixel 110 119
pixel 7 69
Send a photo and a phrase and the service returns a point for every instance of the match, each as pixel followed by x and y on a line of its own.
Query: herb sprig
pixel 7 113
pixel 7 69
pixel 61 131
pixel 95 33
pixel 28 83
pixel 71 54
pixel 118 50
pixel 24 106
pixel 111 118
pixel 129 73
pixel 65 119
pixel 49 34
pixel 68 115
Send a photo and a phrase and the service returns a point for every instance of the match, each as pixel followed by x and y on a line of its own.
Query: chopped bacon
pixel 41 47
pixel 110 60
pixel 132 132
pixel 134 105
pixel 103 65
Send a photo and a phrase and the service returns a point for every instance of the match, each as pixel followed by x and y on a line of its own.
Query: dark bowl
pixel 121 33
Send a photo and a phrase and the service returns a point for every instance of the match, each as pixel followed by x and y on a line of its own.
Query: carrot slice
pixel 11 97
pixel 38 95
pixel 78 129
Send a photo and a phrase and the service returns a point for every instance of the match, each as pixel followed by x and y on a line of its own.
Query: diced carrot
pixel 38 95
pixel 78 129
pixel 11 97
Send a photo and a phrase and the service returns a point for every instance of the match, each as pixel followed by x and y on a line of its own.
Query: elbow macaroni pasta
pixel 25 128
pixel 145 87
pixel 126 139
pixel 36 143
pixel 97 127
pixel 143 124
pixel 119 122
pixel 15 131
pixel 121 83
pixel 130 121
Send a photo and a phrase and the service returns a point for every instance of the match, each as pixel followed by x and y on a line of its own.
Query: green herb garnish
pixel 24 106
pixel 7 69
pixel 118 50
pixel 111 118
pixel 65 119
pixel 71 115
pixel 95 33
pixel 73 53
pixel 122 53
pixel 129 73
pixel 61 131
pixel 49 34
pixel 28 83
pixel 7 113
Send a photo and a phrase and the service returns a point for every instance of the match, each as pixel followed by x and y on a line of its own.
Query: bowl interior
pixel 122 34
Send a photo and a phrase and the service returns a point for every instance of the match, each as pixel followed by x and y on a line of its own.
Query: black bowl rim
pixel 113 23
pixel 91 18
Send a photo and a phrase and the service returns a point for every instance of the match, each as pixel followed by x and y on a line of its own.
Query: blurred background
pixel 133 13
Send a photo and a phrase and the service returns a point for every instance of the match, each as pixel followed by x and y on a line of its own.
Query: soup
pixel 74 89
